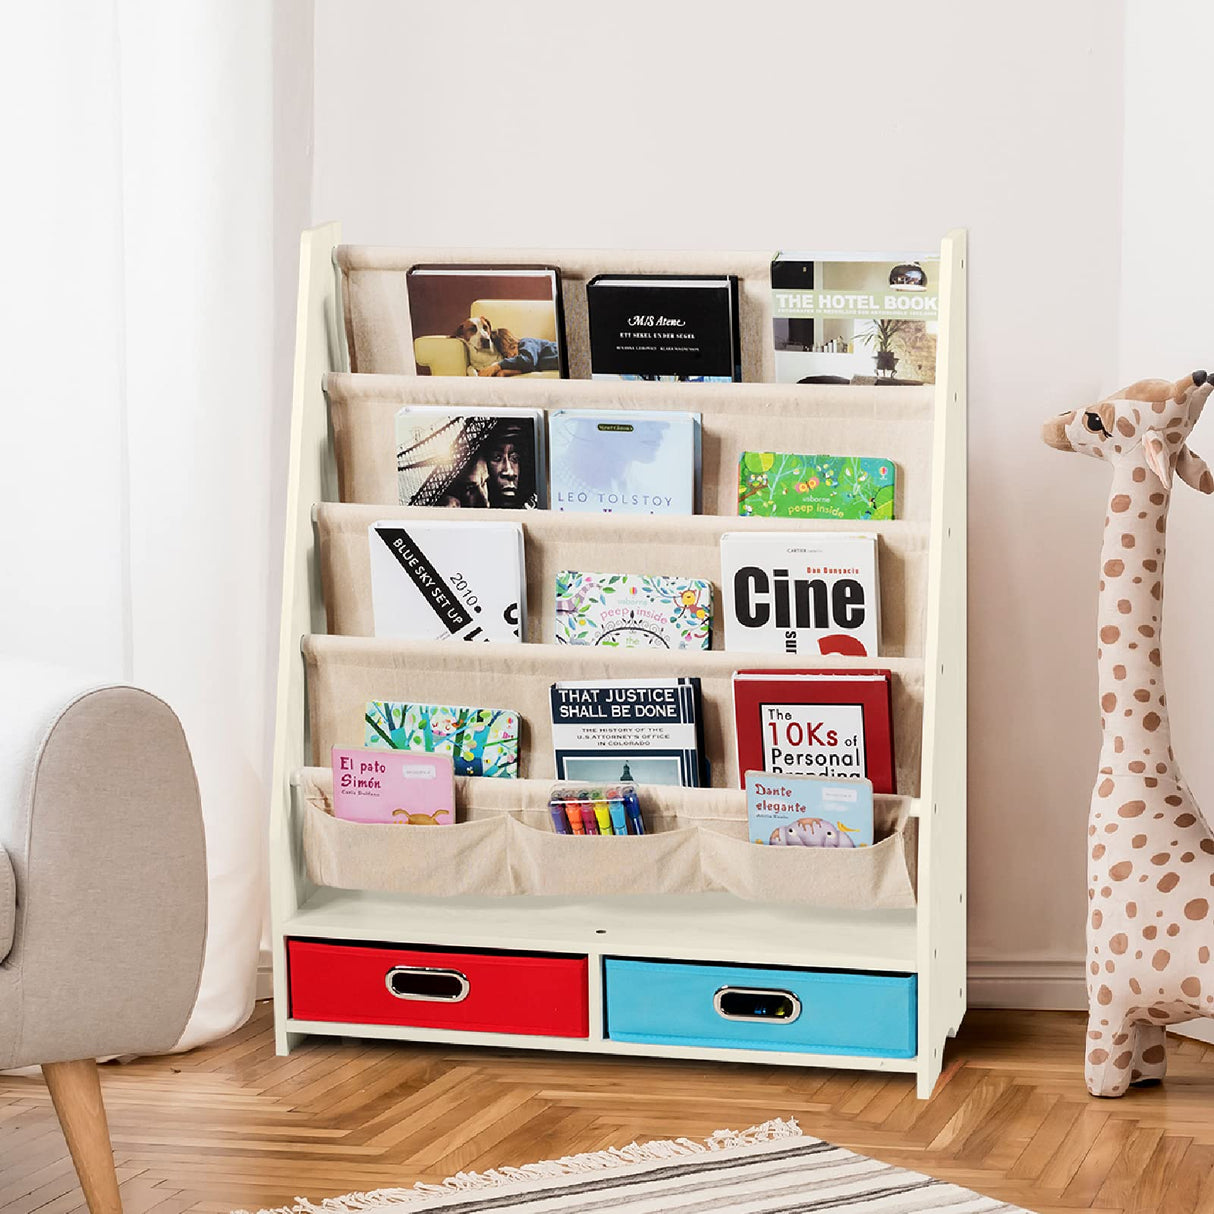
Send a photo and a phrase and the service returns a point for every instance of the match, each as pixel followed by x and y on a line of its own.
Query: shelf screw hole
pixel 600 931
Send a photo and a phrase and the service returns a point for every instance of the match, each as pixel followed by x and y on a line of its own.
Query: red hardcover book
pixel 833 723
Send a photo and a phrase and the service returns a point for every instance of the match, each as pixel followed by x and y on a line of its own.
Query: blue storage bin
pixel 733 1006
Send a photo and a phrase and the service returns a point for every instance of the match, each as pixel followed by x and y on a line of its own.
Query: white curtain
pixel 139 486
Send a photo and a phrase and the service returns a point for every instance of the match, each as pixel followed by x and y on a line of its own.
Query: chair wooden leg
pixel 76 1092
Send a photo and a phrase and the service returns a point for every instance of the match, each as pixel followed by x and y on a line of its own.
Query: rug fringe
pixel 568 1165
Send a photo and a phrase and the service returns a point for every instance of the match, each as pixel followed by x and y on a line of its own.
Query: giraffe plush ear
pixel 1157 456
pixel 1194 471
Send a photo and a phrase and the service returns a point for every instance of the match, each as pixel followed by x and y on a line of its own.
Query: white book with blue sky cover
pixel 447 581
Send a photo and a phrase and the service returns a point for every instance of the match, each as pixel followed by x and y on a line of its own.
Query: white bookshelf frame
pixel 928 940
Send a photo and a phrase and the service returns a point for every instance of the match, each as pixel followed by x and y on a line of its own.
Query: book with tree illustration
pixel 775 484
pixel 480 741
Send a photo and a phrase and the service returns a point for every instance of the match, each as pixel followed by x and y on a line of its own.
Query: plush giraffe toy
pixel 1151 874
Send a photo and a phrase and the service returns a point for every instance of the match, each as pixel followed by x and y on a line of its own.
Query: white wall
pixel 785 124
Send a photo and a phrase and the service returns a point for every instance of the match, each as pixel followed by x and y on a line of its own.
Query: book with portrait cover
pixel 840 318
pixel 476 458
pixel 480 741
pixel 624 461
pixel 815 723
pixel 664 327
pixel 801 592
pixel 643 730
pixel 633 611
pixel 487 320
pixel 447 581
pixel 775 484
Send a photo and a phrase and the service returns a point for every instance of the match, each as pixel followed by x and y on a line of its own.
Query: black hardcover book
pixel 664 327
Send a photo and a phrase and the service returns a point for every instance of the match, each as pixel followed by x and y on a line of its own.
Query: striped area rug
pixel 769 1169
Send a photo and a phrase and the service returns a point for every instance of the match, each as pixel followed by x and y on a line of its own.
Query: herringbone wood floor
pixel 234 1126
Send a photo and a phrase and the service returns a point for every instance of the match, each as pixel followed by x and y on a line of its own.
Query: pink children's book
pixel 405 786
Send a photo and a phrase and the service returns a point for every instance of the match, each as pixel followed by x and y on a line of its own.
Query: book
pixel 841 318
pixel 458 580
pixel 486 320
pixel 816 723
pixel 622 730
pixel 411 789
pixel 624 461
pixel 790 592
pixel 476 458
pixel 774 484
pixel 633 611
pixel 665 327
pixel 807 811
pixel 480 741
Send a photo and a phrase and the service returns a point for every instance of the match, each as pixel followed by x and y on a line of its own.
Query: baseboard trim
pixel 1041 985
pixel 265 981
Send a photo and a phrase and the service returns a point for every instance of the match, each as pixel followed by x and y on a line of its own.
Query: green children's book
pixel 778 485
pixel 480 741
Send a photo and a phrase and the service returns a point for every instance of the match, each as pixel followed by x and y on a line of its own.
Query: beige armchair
pixel 523 317
pixel 103 900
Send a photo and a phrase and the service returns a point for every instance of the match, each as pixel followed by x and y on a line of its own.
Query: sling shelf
pixel 897 955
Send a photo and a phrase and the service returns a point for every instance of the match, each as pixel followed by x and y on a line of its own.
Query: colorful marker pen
pixel 589 822
pixel 632 807
pixel 619 821
pixel 560 823
pixel 602 815
pixel 575 818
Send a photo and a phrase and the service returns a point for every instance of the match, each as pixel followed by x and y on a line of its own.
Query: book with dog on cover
pixel 447 581
pixel 665 327
pixel 633 611
pixel 477 458
pixel 620 730
pixel 835 723
pixel 480 741
pixel 774 484
pixel 484 320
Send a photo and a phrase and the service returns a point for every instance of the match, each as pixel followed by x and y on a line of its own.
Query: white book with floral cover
pixel 633 610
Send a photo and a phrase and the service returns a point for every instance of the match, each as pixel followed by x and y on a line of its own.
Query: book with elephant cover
pixel 808 811
pixel 487 320
pixel 478 458
pixel 834 723
pixel 665 327
pixel 480 741
pixel 624 461
pixel 645 730
pixel 775 484
pixel 447 581
pixel 633 611
pixel 840 318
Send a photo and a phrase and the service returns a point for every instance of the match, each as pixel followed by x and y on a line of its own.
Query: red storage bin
pixel 534 993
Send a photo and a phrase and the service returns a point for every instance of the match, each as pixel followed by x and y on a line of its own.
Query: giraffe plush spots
pixel 1150 926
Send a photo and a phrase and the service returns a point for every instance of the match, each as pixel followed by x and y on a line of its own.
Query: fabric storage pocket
pixel 436 861
pixel 543 862
pixel 859 878
pixel 740 1007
